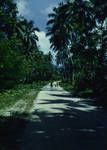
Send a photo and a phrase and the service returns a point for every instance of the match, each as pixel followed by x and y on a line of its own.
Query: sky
pixel 38 10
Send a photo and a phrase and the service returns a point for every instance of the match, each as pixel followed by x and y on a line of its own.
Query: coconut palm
pixel 27 33
pixel 72 30
pixel 57 28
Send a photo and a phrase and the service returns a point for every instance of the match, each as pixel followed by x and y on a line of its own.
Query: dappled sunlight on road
pixel 58 122
pixel 52 99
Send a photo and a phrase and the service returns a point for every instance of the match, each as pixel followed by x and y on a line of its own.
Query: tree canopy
pixel 78 32
pixel 21 60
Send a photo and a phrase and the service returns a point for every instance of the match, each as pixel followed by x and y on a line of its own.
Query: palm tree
pixel 59 31
pixel 27 33
pixel 70 26
pixel 57 28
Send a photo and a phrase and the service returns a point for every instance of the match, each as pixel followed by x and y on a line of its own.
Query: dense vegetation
pixel 21 61
pixel 78 35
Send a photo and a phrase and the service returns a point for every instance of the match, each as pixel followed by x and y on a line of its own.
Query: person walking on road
pixel 51 84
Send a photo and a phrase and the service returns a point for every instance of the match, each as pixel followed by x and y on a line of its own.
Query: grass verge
pixel 21 98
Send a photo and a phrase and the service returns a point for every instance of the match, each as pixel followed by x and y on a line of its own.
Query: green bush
pixel 13 65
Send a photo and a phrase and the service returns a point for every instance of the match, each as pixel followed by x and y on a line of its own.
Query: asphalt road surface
pixel 58 121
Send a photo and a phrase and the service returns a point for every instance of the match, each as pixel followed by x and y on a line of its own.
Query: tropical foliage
pixel 21 60
pixel 78 34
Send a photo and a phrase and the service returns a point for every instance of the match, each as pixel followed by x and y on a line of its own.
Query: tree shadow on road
pixel 73 129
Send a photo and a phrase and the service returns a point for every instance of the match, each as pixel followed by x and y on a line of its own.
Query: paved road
pixel 60 122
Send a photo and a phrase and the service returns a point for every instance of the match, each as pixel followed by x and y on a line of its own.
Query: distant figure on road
pixel 51 84
pixel 54 84
pixel 57 84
